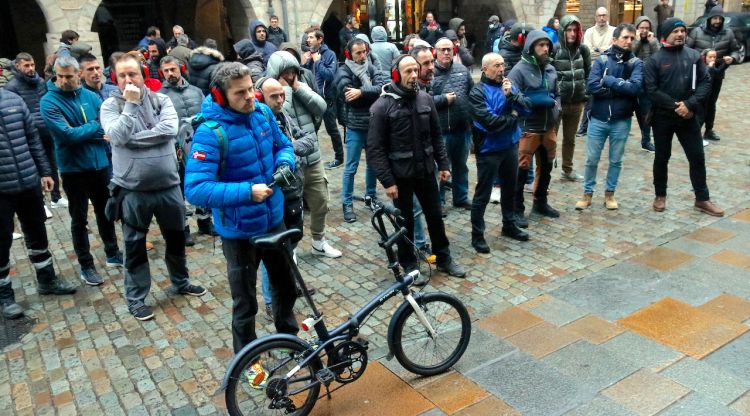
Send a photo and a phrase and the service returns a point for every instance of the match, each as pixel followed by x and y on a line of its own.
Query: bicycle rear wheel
pixel 257 385
pixel 413 345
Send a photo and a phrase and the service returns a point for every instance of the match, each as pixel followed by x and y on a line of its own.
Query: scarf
pixel 361 71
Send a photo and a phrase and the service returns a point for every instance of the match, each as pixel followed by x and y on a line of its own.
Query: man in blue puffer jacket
pixel 496 105
pixel 231 178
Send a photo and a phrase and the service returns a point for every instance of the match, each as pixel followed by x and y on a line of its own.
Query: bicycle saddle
pixel 275 240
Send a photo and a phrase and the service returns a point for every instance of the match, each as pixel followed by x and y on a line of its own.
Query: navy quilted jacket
pixel 22 156
pixel 31 89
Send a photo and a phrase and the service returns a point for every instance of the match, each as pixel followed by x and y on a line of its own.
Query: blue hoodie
pixel 255 148
pixel 265 47
pixel 72 118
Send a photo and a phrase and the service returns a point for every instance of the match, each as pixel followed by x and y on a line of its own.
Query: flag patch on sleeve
pixel 199 155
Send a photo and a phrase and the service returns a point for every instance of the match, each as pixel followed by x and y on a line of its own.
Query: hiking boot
pixel 189 240
pixel 584 203
pixel 192 290
pixel 115 261
pixel 609 200
pixel 711 135
pixel 91 277
pixel 511 230
pixel 452 269
pixel 322 248
pixel 56 287
pixel 571 176
pixel 333 164
pixel 10 309
pixel 709 208
pixel 520 220
pixel 660 203
pixel 543 208
pixel 143 313
pixel 495 195
pixel 480 245
pixel 648 146
pixel 349 215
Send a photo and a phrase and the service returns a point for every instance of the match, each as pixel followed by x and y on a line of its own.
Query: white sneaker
pixel 16 236
pixel 705 143
pixel 47 212
pixel 61 203
pixel 322 248
pixel 529 188
pixel 495 195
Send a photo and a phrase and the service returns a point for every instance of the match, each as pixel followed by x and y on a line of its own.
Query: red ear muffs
pixel 522 34
pixel 183 70
pixel 218 96
pixel 434 53
pixel 395 75
pixel 145 72
pixel 259 96
pixel 455 50
pixel 112 75
pixel 347 55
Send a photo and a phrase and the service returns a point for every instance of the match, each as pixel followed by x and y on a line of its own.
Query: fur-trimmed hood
pixel 201 57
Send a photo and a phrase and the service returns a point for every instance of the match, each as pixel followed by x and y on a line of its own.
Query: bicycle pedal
pixel 363 342
pixel 325 376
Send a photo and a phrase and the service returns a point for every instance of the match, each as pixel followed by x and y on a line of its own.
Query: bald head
pixel 273 94
pixel 602 16
pixel 493 67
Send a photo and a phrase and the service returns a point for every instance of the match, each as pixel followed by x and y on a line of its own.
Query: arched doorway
pixel 122 23
pixel 23 30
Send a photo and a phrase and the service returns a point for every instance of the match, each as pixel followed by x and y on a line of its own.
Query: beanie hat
pixel 451 34
pixel 669 25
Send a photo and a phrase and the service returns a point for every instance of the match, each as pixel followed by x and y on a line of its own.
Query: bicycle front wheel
pixel 258 385
pixel 416 348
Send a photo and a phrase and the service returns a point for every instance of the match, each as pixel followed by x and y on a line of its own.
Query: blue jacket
pixel 324 71
pixel 73 121
pixel 495 128
pixel 265 47
pixel 255 148
pixel 104 92
pixel 615 83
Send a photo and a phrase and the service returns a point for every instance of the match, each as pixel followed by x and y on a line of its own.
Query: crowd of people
pixel 170 122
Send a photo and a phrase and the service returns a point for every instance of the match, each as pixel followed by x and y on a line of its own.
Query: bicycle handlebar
pixel 390 209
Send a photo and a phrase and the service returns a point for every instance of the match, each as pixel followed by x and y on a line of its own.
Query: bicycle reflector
pixel 309 323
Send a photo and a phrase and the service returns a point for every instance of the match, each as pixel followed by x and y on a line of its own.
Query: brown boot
pixel 609 200
pixel 584 203
pixel 709 208
pixel 660 203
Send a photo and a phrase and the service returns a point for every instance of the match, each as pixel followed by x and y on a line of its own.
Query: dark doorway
pixel 24 29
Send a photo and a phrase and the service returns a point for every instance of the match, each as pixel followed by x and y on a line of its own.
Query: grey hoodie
pixel 384 51
pixel 304 105
pixel 143 141
pixel 645 48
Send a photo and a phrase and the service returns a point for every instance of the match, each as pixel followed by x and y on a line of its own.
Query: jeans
pixel 504 165
pixel 138 208
pixel 28 205
pixel 329 119
pixel 265 285
pixel 420 239
pixel 617 131
pixel 689 134
pixel 457 146
pixel 80 188
pixel 355 142
pixel 426 190
pixel 242 267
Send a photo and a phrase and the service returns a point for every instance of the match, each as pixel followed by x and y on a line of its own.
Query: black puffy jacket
pixel 186 98
pixel 511 54
pixel 404 137
pixel 22 157
pixel 456 78
pixel 722 40
pixel 572 62
pixel 356 114
pixel 203 62
pixel 31 89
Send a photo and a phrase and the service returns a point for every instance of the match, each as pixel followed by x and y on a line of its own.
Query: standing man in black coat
pixel 23 165
pixel 678 84
pixel 403 146
pixel 31 87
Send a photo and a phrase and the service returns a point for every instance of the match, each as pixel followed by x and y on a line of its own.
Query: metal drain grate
pixel 11 330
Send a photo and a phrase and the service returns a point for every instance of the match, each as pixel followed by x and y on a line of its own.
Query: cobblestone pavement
pixel 539 308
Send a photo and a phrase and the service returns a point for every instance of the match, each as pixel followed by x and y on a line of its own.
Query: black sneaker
pixel 444 211
pixel 91 277
pixel 452 269
pixel 648 146
pixel 143 313
pixel 520 220
pixel 465 205
pixel 513 231
pixel 580 133
pixel 333 164
pixel 269 313
pixel 349 215
pixel 480 245
pixel 711 135
pixel 311 290
pixel 546 210
pixel 192 290
pixel 371 201
pixel 57 287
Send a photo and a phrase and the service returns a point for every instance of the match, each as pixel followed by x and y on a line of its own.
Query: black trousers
pixel 710 106
pixel 28 205
pixel 503 165
pixel 80 188
pixel 426 190
pixel 332 128
pixel 242 266
pixel 689 134
pixel 49 150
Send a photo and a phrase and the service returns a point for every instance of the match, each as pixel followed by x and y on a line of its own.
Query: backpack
pixel 184 139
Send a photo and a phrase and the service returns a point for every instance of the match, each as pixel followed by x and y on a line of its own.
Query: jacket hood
pixel 379 34
pixel 279 62
pixel 451 34
pixel 202 57
pixel 566 21
pixel 160 46
pixel 254 25
pixel 5 63
pixel 31 80
pixel 455 23
pixel 292 48
pixel 642 19
pixel 81 48
pixel 244 48
pixel 363 37
pixel 533 37
pixel 715 11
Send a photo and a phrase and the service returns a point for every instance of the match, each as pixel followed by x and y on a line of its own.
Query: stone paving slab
pixel 696 405
pixel 646 393
pixel 710 382
pixel 601 405
pixel 642 351
pixel 733 357
pixel 557 312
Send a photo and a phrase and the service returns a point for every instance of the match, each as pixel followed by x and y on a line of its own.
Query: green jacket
pixel 572 62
